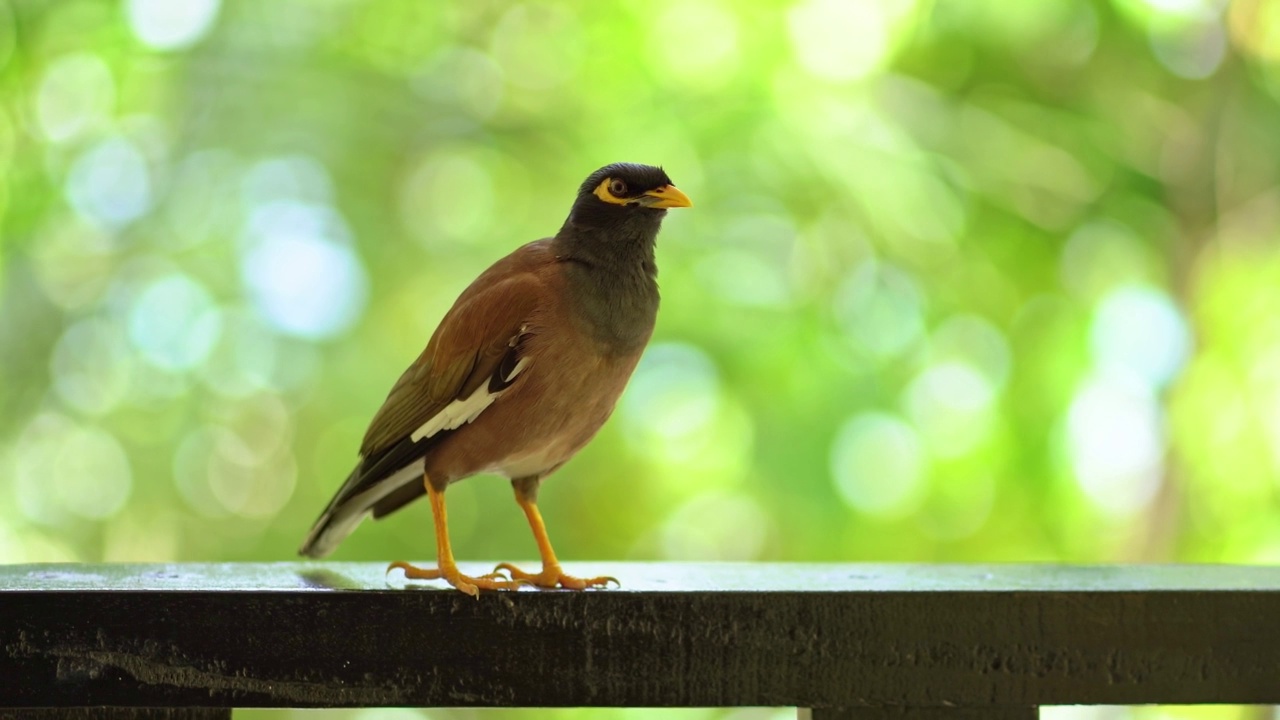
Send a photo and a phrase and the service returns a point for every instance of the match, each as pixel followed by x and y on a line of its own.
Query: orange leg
pixel 446 568
pixel 551 575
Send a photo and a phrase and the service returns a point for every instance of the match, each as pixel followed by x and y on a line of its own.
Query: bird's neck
pixel 612 280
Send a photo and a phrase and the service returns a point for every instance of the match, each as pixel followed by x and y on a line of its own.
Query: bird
pixel 520 374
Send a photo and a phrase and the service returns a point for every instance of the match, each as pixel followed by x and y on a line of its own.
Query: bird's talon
pixel 450 574
pixel 553 577
pixel 511 570
pixel 573 583
pixel 413 572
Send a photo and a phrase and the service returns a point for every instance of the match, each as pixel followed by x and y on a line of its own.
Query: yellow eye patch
pixel 602 192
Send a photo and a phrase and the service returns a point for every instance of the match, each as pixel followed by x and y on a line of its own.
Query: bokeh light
pixel 881 310
pixel 1115 438
pixel 520 46
pixel 109 184
pixel 166 25
pixel 842 41
pixel 878 464
pixel 450 197
pixel 92 366
pixel 696 44
pixel 76 95
pixel 174 323
pixel 717 526
pixel 952 404
pixel 1139 330
pixel 301 271
pixel 64 471
pixel 679 417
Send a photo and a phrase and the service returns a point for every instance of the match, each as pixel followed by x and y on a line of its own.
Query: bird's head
pixel 625 192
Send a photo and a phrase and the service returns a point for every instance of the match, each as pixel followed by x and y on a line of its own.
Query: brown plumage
pixel 520 374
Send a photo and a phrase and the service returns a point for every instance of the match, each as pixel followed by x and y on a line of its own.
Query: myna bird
pixel 521 373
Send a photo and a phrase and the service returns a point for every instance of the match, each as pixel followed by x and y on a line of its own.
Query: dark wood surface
pixel 1008 637
pixel 920 713
pixel 115 713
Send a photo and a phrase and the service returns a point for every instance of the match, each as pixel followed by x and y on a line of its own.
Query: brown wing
pixel 465 351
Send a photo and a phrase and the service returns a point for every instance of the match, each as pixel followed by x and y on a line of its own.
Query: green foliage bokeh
pixel 964 281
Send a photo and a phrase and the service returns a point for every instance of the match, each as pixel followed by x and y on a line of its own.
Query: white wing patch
pixel 460 412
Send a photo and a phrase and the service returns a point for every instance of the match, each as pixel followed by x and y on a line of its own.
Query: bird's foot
pixel 553 577
pixel 450 574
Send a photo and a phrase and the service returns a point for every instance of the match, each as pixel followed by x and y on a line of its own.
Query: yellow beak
pixel 667 196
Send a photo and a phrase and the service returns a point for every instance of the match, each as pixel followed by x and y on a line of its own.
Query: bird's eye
pixel 617 187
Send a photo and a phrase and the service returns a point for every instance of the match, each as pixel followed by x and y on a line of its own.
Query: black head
pixel 620 192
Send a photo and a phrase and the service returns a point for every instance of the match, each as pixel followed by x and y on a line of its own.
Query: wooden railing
pixel 837 641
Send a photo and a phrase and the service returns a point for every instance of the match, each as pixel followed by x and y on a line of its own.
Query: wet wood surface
pixel 941 640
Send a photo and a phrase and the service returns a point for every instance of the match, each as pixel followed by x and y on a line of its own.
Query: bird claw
pixel 466 583
pixel 553 577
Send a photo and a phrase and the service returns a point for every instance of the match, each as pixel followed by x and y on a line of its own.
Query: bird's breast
pixel 615 309
pixel 558 403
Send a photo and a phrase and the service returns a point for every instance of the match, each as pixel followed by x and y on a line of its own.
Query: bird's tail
pixel 360 497
pixel 337 521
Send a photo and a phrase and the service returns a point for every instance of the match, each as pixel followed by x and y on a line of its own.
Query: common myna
pixel 521 373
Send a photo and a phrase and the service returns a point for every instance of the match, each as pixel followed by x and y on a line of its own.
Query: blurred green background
pixel 974 280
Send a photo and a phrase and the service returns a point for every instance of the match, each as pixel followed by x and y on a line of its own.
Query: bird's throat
pixel 612 284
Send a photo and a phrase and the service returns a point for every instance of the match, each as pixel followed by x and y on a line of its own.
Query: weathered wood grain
pixel 828 636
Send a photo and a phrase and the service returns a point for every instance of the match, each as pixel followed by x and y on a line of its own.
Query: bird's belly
pixel 542 421
pixel 538 461
pixel 560 431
